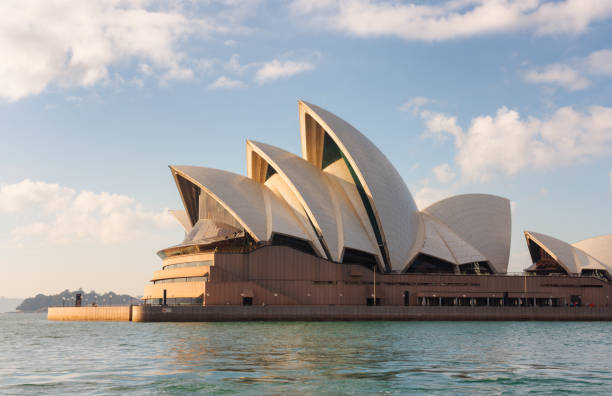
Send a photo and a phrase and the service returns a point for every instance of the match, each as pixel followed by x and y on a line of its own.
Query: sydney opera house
pixel 338 226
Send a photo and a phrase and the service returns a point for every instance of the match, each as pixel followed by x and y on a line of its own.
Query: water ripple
pixel 390 358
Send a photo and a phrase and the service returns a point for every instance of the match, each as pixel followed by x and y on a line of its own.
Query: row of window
pixel 187 265
pixel 177 280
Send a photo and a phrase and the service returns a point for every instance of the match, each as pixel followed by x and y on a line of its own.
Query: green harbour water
pixel 39 357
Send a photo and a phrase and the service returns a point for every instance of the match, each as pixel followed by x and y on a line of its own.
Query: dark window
pixel 475 268
pixel 331 152
pixel 292 242
pixel 370 301
pixel 191 195
pixel 247 300
pixel 354 256
pixel 599 274
pixel 270 172
pixel 545 264
pixel 425 264
pixel 406 298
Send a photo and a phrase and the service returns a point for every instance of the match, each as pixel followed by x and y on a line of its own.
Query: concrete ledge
pixel 360 312
pixel 111 314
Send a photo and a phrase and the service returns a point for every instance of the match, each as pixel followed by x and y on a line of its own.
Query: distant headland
pixel 41 302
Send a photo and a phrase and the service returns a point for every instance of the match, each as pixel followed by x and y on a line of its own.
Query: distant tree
pixel 41 302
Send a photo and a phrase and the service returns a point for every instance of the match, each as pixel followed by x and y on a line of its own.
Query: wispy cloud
pixel 58 214
pixel 415 104
pixel 572 75
pixel 444 174
pixel 427 195
pixel 558 74
pixel 600 62
pixel 226 83
pixel 452 19
pixel 276 69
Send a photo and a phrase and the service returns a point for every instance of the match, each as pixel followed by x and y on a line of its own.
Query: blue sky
pixel 96 99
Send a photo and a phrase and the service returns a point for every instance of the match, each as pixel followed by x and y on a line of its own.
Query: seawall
pixel 111 314
pixel 360 312
pixel 147 313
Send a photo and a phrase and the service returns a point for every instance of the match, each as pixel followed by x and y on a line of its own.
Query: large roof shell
pixel 598 247
pixel 253 205
pixel 572 259
pixel 323 200
pixel 443 243
pixel 483 221
pixel 395 212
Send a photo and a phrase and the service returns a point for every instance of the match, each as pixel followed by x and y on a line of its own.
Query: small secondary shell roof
pixel 324 201
pixel 253 205
pixel 571 258
pixel 483 221
pixel 598 247
pixel 443 243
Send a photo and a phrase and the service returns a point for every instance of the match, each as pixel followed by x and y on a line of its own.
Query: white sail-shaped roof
pixel 323 200
pixel 443 243
pixel 598 247
pixel 253 205
pixel 395 214
pixel 572 259
pixel 483 221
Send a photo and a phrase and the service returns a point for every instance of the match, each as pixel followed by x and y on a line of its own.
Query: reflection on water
pixel 41 357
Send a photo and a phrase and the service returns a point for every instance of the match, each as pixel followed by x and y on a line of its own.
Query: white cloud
pixel 234 66
pixel 226 83
pixel 452 19
pixel 277 69
pixel 70 43
pixel 506 143
pixel 444 174
pixel 63 215
pixel 572 75
pixel 558 74
pixel 415 104
pixel 28 194
pixel 600 62
pixel 426 196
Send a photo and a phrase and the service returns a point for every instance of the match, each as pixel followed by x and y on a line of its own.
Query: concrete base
pixel 149 313
pixel 111 314
pixel 361 312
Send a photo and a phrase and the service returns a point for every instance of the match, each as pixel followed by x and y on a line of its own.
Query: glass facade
pixel 183 279
pixel 213 210
pixel 188 265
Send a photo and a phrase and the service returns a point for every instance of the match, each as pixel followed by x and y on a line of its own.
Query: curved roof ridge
pixel 599 247
pixel 568 256
pixel 470 253
pixel 245 199
pixel 395 217
pixel 592 238
pixel 322 200
pixel 482 220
